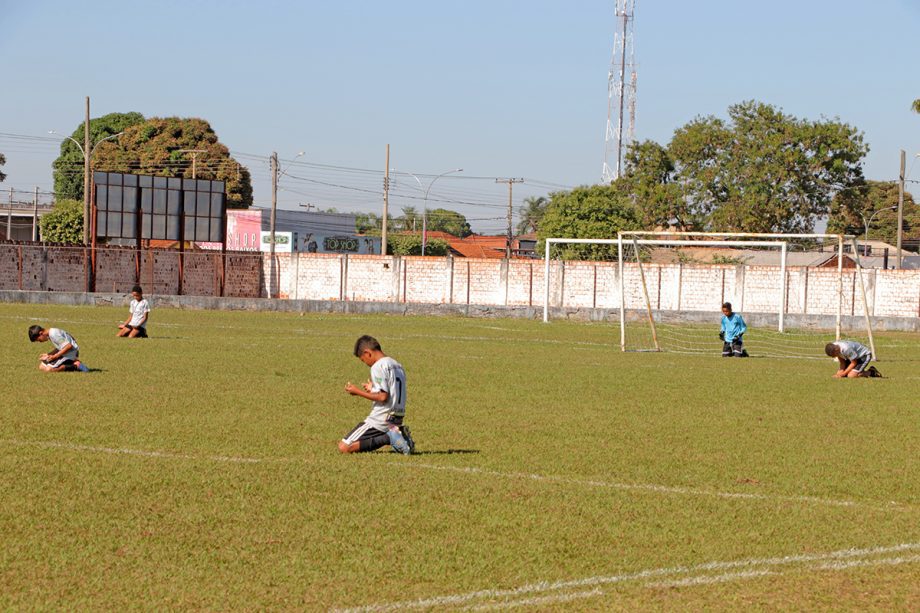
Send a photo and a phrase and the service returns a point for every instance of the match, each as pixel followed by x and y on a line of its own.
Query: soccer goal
pixel 667 288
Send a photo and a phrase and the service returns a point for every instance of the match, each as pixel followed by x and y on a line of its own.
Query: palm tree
pixel 410 219
pixel 531 213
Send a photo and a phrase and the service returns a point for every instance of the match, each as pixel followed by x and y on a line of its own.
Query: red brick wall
pixel 116 270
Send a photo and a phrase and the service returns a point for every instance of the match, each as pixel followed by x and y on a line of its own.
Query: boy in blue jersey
pixel 733 327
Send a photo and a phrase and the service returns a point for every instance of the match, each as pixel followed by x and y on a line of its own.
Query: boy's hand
pixel 367 386
pixel 43 357
pixel 840 374
pixel 351 388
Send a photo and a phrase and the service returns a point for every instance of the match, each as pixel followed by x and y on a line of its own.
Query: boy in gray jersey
pixel 387 390
pixel 136 324
pixel 66 352
pixel 854 359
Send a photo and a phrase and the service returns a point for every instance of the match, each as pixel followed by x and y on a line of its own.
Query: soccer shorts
pixel 141 331
pixel 861 364
pixel 67 361
pixel 369 436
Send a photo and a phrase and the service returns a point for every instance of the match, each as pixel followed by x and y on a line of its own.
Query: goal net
pixel 666 290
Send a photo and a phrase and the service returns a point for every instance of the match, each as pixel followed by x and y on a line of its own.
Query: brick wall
pixel 487 282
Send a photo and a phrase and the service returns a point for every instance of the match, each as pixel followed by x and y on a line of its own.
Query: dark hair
pixel 34 331
pixel 364 343
pixel 831 349
pixel 137 288
pixel 727 305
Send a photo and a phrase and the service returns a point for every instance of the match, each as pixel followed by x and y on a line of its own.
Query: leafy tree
pixel 531 213
pixel 2 162
pixel 68 167
pixel 763 170
pixel 411 244
pixel 63 223
pixel 368 223
pixel 444 220
pixel 878 201
pixel 153 148
pixel 915 107
pixel 650 180
pixel 596 211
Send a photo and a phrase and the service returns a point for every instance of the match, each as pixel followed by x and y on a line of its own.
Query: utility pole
pixel 386 203
pixel 194 153
pixel 510 183
pixel 35 216
pixel 271 237
pixel 901 204
pixel 9 218
pixel 87 152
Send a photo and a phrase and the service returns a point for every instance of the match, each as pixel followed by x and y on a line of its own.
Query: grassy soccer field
pixel 198 469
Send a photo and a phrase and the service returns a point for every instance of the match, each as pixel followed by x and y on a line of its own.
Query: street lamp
pixel 87 161
pixel 417 180
pixel 425 209
pixel 868 223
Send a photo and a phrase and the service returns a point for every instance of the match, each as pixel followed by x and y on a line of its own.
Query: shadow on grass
pixel 446 452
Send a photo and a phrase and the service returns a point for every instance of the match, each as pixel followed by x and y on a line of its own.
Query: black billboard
pixel 160 208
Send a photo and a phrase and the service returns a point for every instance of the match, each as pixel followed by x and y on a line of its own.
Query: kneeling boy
pixel 66 352
pixel 854 359
pixel 387 390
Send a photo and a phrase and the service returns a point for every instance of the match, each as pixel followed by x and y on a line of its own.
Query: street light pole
pixel 425 209
pixel 87 154
pixel 868 223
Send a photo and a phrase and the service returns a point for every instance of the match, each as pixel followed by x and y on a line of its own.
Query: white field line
pixel 132 452
pixel 750 568
pixel 536 601
pixel 642 487
pixel 664 489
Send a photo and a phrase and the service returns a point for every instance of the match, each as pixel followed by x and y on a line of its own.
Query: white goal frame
pixel 775 240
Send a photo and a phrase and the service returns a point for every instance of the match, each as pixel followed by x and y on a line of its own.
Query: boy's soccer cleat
pixel 82 367
pixel 408 436
pixel 398 441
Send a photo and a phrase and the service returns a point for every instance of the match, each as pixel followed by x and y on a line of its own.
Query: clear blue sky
pixel 500 88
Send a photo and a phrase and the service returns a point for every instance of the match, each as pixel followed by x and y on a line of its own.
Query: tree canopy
pixel 596 211
pixel 2 162
pixel 153 147
pixel 68 167
pixel 876 201
pixel 63 223
pixel 760 170
pixel 452 222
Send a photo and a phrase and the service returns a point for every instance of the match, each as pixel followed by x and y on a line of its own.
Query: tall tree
pixel 155 147
pixel 68 167
pixel 875 201
pixel 763 170
pixel 596 211
pixel 2 162
pixel 650 180
pixel 533 210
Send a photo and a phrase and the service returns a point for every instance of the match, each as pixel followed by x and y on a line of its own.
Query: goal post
pixel 671 281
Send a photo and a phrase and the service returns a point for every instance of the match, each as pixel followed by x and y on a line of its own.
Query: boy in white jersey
pixel 66 352
pixel 853 357
pixel 136 324
pixel 387 390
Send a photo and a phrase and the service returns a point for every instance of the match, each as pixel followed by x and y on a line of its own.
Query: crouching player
pixel 66 352
pixel 854 359
pixel 733 327
pixel 387 390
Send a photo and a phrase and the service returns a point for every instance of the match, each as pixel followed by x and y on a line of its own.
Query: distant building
pixel 302 231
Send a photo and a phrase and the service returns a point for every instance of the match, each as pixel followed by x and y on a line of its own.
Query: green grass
pixel 547 456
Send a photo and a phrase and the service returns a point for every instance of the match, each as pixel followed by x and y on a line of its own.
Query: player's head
pixel 366 348
pixel 726 308
pixel 832 350
pixel 137 293
pixel 37 333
